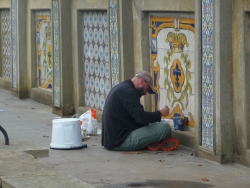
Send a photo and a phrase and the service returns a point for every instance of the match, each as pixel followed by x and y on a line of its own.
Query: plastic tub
pixel 66 134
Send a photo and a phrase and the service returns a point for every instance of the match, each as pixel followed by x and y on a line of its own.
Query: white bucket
pixel 66 134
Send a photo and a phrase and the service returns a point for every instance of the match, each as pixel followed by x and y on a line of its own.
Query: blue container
pixel 177 121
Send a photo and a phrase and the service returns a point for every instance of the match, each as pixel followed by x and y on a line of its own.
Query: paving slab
pixel 24 145
pixel 21 170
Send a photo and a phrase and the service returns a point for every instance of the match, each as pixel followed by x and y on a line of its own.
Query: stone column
pixel 126 39
pixel 62 58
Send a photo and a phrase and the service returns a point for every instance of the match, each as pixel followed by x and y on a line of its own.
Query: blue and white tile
pixel 97 84
pixel 107 86
pixel 102 85
pixel 106 54
pixel 95 21
pixel 102 102
pixel 96 52
pixel 92 99
pixel 87 83
pixel 97 68
pixel 107 71
pixel 90 19
pixel 91 50
pixel 100 21
pixel 91 35
pixel 101 54
pixel 105 20
pixel 102 70
pixel 100 36
pixel 91 67
pixel 86 50
pixel 86 66
pixel 87 98
pixel 86 34
pixel 97 101
pixel 106 37
pixel 96 35
pixel 85 19
pixel 92 83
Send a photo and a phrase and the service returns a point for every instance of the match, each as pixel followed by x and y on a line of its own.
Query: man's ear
pixel 141 82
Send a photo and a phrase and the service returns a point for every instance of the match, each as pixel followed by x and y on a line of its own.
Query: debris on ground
pixel 204 179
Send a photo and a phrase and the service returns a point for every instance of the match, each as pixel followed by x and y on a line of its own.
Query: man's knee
pixel 164 126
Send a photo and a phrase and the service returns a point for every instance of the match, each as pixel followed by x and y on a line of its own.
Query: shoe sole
pixel 167 145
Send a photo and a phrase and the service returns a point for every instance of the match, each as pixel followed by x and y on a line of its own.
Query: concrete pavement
pixel 27 122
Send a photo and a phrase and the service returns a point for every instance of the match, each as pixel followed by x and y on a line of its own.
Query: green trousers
pixel 142 137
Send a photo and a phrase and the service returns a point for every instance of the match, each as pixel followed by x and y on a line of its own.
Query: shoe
pixel 167 145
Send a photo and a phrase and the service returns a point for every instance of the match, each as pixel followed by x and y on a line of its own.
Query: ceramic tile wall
pixel 6 44
pixel 172 62
pixel 44 50
pixel 96 58
pixel 114 42
pixel 14 42
pixel 207 73
pixel 56 55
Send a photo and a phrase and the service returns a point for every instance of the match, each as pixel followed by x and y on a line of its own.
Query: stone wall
pixel 212 62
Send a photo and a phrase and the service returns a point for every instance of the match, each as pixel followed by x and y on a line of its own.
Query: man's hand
pixel 165 111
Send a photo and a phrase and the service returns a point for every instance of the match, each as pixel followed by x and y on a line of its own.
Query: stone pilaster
pixel 19 48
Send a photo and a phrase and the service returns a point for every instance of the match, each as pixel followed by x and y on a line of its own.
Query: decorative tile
pixel 101 53
pixel 106 55
pixel 102 86
pixel 107 73
pixel 44 62
pixel 86 66
pixel 97 68
pixel 96 52
pixel 6 44
pixel 100 19
pixel 56 56
pixel 92 83
pixel 114 42
pixel 95 42
pixel 106 37
pixel 107 86
pixel 97 84
pixel 86 34
pixel 87 82
pixel 91 51
pixel 91 35
pixel 14 42
pixel 96 35
pixel 207 73
pixel 171 61
pixel 91 67
pixel 92 99
pixel 102 70
pixel 102 101
pixel 95 21
pixel 105 20
pixel 87 98
pixel 86 50
pixel 97 101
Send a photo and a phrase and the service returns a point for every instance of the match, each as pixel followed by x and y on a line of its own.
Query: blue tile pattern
pixel 96 58
pixel 114 42
pixel 14 41
pixel 6 44
pixel 56 57
pixel 207 73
